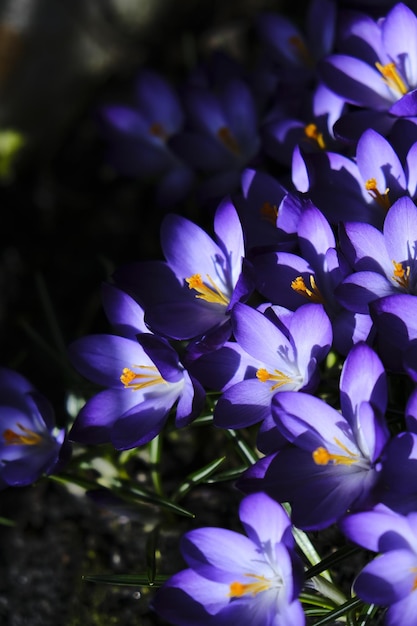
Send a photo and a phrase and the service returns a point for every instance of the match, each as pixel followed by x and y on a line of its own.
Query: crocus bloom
pixel 191 295
pixel 237 579
pixel 386 262
pixel 332 464
pixel 286 351
pixel 139 137
pixel 385 77
pixel 30 444
pixel 391 578
pixel 144 378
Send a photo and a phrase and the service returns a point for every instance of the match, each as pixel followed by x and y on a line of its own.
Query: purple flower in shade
pixel 385 262
pixel 289 280
pixel 191 295
pixel 378 69
pixel 391 578
pixel 332 463
pixel 30 444
pixel 139 137
pixel 395 322
pixel 289 48
pixel 144 380
pixel 237 579
pixel 286 350
pixel 221 137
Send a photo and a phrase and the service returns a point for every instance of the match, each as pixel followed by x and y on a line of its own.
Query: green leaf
pixel 341 611
pixel 197 477
pixel 247 454
pixel 331 560
pixel 151 547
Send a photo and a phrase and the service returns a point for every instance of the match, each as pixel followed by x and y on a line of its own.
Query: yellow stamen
pixel 301 50
pixel 321 456
pixel 134 380
pixel 382 198
pixel 312 132
pixel 401 275
pixel 27 437
pixel 392 78
pixel 282 379
pixel 157 130
pixel 226 137
pixel 312 294
pixel 208 293
pixel 269 212
pixel 238 589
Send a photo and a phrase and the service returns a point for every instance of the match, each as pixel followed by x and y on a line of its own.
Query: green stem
pixel 155 452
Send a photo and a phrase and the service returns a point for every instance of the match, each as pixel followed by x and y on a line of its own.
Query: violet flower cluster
pixel 297 312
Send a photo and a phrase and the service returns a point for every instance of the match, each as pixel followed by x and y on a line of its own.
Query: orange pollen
pixel 312 132
pixel 401 276
pixel 135 381
pixel 312 294
pixel 382 198
pixel 226 137
pixel 301 50
pixel 157 130
pixel 392 78
pixel 414 587
pixel 269 212
pixel 27 437
pixel 205 292
pixel 321 456
pixel 282 379
pixel 237 589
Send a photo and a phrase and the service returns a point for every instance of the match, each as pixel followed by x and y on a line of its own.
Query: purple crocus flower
pixel 30 444
pixel 286 350
pixel 144 379
pixel 237 579
pixel 391 578
pixel 139 137
pixel 378 69
pixel 191 295
pixel 221 137
pixel 386 262
pixel 332 464
pixel 289 280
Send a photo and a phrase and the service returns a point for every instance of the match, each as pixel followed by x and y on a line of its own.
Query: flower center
pixel 299 47
pixel 312 132
pixel 282 379
pixel 210 292
pixel 229 140
pixel 382 198
pixel 391 77
pixel 269 212
pixel 313 294
pixel 157 130
pixel 237 589
pixel 401 275
pixel 26 437
pixel 148 376
pixel 321 456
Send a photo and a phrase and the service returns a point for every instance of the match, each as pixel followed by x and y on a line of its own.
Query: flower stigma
pixel 26 438
pixel 381 198
pixel 321 456
pixel 205 292
pixel 301 51
pixel 269 212
pixel 227 138
pixel 312 132
pixel 282 379
pixel 238 589
pixel 392 78
pixel 135 381
pixel 313 294
pixel 401 276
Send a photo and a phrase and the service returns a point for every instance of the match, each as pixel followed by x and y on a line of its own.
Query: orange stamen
pixel 27 437
pixel 382 198
pixel 313 294
pixel 312 132
pixel 238 589
pixel 401 276
pixel 301 50
pixel 157 130
pixel 321 456
pixel 269 212
pixel 135 381
pixel 392 78
pixel 282 379
pixel 226 137
pixel 205 292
